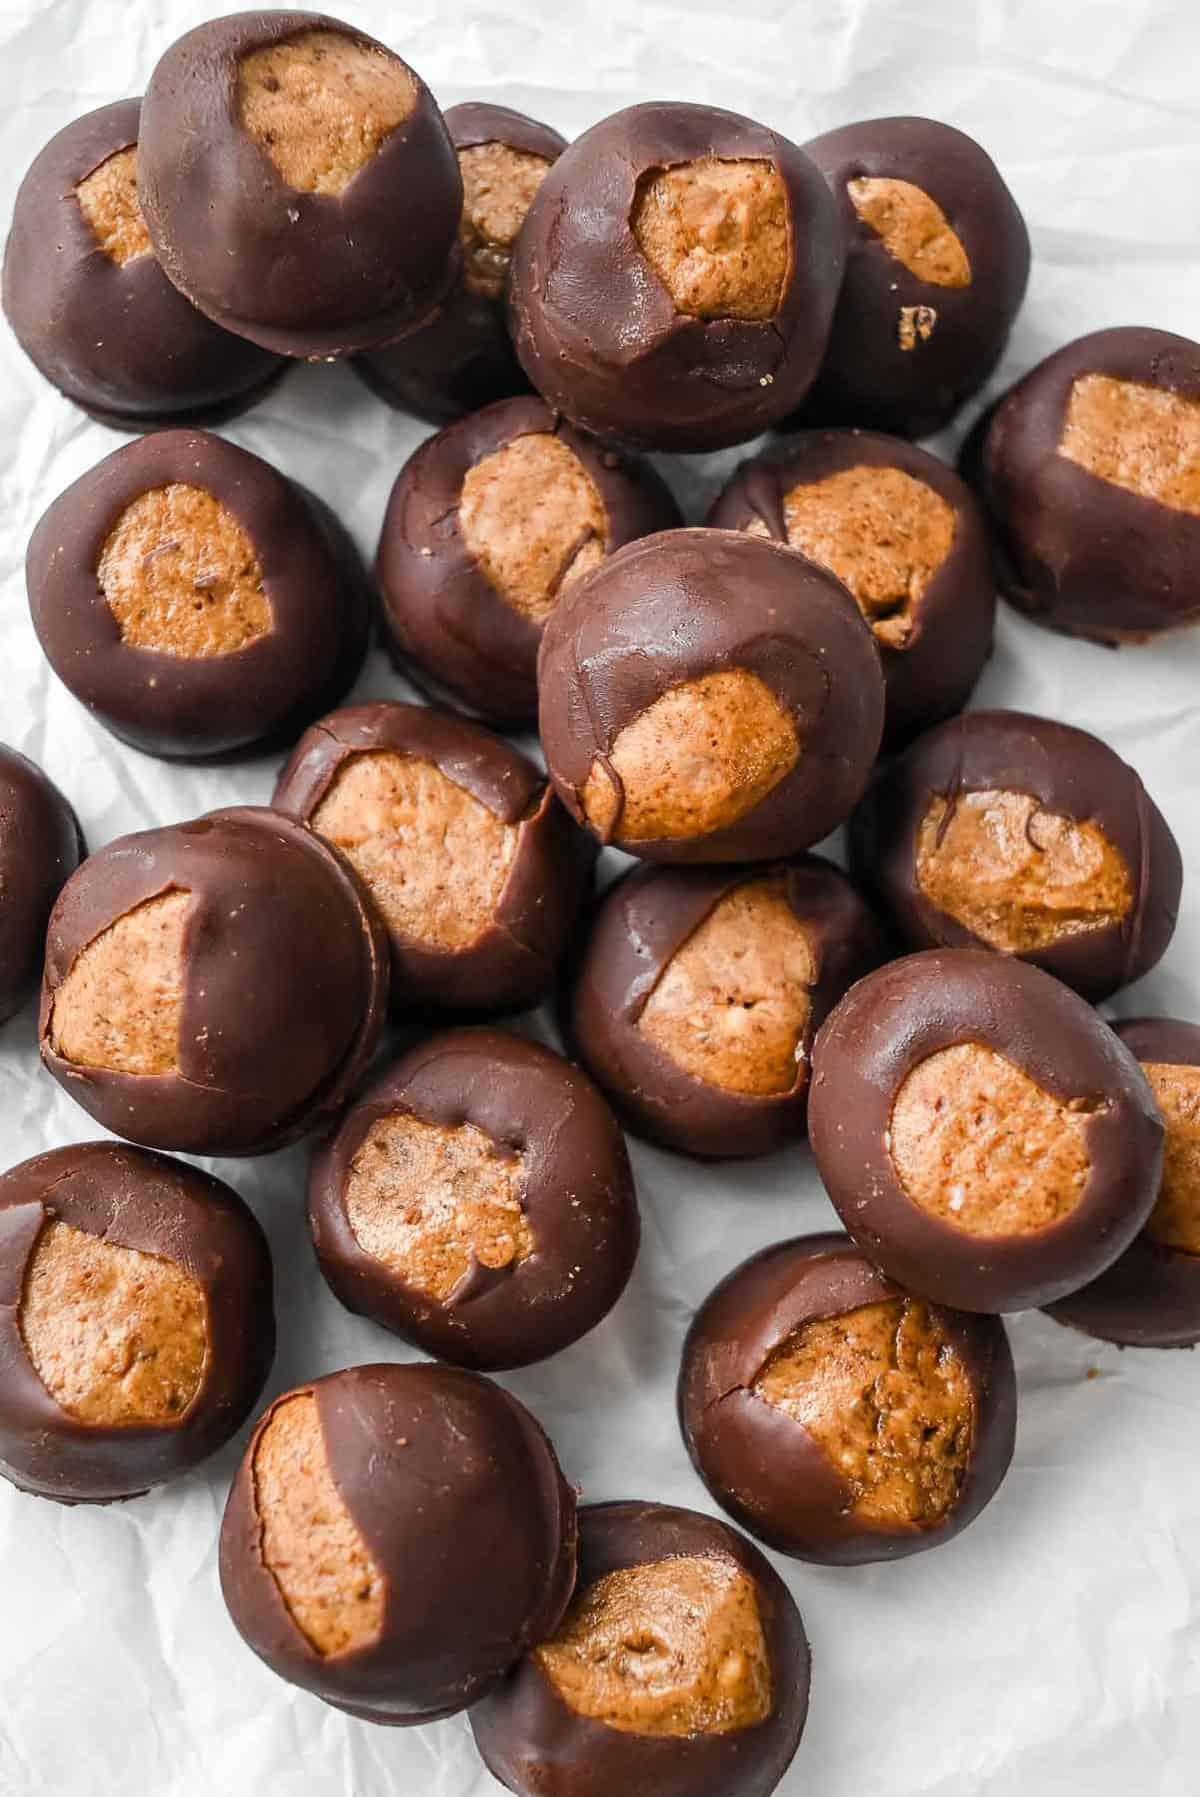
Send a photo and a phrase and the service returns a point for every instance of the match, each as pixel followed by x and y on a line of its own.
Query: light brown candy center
pixel 121 1004
pixel 320 104
pixel 531 515
pixel 1175 1221
pixel 108 200
pixel 913 227
pixel 498 188
pixel 717 234
pixel 1144 439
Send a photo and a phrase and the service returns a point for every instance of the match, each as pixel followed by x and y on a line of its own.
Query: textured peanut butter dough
pixel 674 1647
pixel 1141 438
pixel 532 517
pixel 436 861
pixel 913 227
pixel 498 188
pixel 116 1336
pixel 430 1201
pixel 1175 1220
pixel 320 105
pixel 979 1144
pixel 703 755
pixel 181 577
pixel 1016 876
pixel 717 234
pixel 732 1005
pixel 108 200
pixel 121 1004
pixel 883 1392
pixel 915 324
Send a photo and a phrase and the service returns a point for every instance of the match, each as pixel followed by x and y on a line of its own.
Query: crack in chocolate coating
pixel 41 844
pixel 456 1495
pixel 539 1747
pixel 906 1012
pixel 147 1202
pixel 1071 774
pixel 577 1196
pixel 762 1465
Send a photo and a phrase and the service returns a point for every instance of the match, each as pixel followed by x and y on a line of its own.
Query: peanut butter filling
pixel 320 104
pixel 1145 439
pixel 1019 878
pixel 436 860
pixel 699 758
pixel 108 200
pixel 121 1004
pixel 431 1201
pixel 498 188
pixel 181 576
pixel 732 1005
pixel 717 233
pixel 883 1391
pixel 671 1648
pixel 532 517
pixel 1175 1220
pixel 913 227
pixel 333 1590
pixel 116 1336
pixel 980 1145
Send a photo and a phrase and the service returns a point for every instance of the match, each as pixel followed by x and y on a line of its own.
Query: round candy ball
pixel 298 182
pixel 681 1668
pixel 675 278
pixel 137 1325
pixel 488 525
pixel 395 1538
pixel 985 1138
pixel 699 991
pixel 708 696
pixel 838 1417
pixel 477 1200
pixel 40 845
pixel 216 987
pixel 1005 831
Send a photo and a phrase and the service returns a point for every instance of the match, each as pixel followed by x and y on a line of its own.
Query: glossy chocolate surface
pixel 40 845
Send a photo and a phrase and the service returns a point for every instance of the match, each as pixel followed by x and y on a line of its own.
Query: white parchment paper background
pixel 1053 1651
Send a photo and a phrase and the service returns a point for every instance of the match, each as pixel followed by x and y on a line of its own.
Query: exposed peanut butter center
pixel 320 104
pixel 696 760
pixel 498 188
pixel 435 859
pixel 116 1336
pixel 1142 438
pixel 884 1392
pixel 732 1005
pixel 717 234
pixel 1016 876
pixel 109 202
pixel 1175 1220
pixel 333 1590
pixel 915 324
pixel 913 227
pixel 181 576
pixel 980 1145
pixel 121 1004
pixel 532 517
pixel 430 1201
pixel 671 1648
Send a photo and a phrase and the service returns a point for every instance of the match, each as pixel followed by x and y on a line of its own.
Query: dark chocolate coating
pixel 1150 1298
pixel 201 707
pixel 305 274
pixel 512 964
pixel 538 1747
pixel 685 603
pixel 1077 553
pixel 1071 774
pixel 895 1019
pixel 462 357
pixel 935 672
pixel 763 1466
pixel 578 1197
pixel 158 1206
pixel 285 982
pixel 598 333
pixel 448 627
pixel 456 1493
pixel 40 845
pixel 117 339
pixel 866 377
pixel 642 923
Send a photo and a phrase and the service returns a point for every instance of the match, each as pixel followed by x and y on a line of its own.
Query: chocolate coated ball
pixel 40 845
